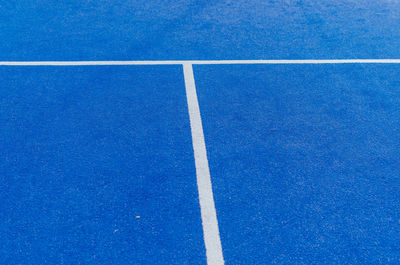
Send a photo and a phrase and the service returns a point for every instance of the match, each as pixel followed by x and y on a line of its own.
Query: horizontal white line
pixel 77 63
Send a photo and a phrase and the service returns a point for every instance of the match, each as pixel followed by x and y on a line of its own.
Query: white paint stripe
pixel 208 213
pixel 77 63
pixel 298 61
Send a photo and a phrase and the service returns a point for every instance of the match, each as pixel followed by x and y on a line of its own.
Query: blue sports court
pixel 198 132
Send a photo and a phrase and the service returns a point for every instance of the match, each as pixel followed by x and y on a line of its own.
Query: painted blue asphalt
pixel 159 30
pixel 304 161
pixel 97 167
pixel 96 162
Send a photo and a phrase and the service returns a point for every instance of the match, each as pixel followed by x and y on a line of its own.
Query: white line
pixel 335 61
pixel 208 213
pixel 180 62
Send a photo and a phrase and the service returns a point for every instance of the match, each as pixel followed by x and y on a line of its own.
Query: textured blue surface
pixel 304 161
pixel 179 29
pixel 304 158
pixel 84 152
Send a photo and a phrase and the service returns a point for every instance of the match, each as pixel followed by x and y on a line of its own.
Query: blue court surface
pixel 199 132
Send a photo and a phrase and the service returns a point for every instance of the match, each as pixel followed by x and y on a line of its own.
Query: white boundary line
pixel 207 206
pixel 172 62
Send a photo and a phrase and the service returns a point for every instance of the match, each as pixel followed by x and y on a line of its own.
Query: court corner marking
pixel 211 234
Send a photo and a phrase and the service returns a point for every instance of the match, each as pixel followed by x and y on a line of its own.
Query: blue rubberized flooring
pixel 97 167
pixel 304 161
pixel 208 30
pixel 96 162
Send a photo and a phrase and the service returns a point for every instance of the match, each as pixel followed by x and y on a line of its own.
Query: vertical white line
pixel 208 214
